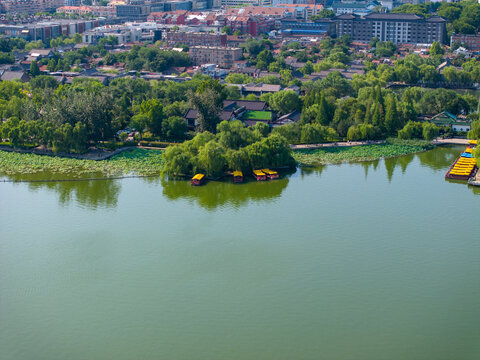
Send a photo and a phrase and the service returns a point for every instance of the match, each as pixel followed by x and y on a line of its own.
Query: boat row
pixel 265 174
pixel 259 175
pixel 465 165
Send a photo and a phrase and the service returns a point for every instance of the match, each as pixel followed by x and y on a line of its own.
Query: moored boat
pixel 463 167
pixel 259 175
pixel 198 179
pixel 237 176
pixel 270 174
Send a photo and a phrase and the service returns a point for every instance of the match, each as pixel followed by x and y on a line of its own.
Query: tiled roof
pixel 253 105
pixel 393 16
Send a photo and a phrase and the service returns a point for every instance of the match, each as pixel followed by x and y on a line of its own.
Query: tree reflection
pixel 441 158
pixel 403 161
pixel 390 165
pixel 220 193
pixel 92 194
pixel 308 170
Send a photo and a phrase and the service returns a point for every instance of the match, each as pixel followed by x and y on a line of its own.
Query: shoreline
pixel 132 164
pixel 100 155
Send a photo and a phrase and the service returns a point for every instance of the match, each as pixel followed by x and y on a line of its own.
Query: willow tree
pixel 208 101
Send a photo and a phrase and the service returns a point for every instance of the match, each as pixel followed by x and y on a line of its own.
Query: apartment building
pixel 30 6
pixel 302 11
pixel 103 11
pixel 397 28
pixel 219 55
pixel 246 3
pixel 195 38
pixel 49 30
pixel 470 41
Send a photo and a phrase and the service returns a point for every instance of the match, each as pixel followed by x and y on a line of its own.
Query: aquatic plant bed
pixel 335 155
pixel 133 162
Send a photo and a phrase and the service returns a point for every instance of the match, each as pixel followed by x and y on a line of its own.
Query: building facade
pixel 246 2
pixel 195 38
pixel 470 41
pixel 49 30
pixel 321 27
pixel 397 28
pixel 356 7
pixel 219 55
pixel 103 11
pixel 30 6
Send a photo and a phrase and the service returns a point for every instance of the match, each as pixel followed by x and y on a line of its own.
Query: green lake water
pixel 368 261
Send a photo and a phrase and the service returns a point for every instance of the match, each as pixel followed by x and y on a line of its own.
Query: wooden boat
pixel 197 180
pixel 259 175
pixel 462 168
pixel 237 176
pixel 270 174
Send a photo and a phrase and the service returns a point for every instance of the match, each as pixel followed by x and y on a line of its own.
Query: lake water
pixel 377 260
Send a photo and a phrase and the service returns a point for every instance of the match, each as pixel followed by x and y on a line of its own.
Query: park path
pixel 335 144
pixel 372 142
pixel 450 141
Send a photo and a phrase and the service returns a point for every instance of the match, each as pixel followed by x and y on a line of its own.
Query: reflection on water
pixel 91 194
pixel 441 158
pixel 95 194
pixel 215 193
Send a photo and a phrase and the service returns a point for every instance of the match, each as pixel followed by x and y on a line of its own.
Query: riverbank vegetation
pixel 134 162
pixel 334 155
pixel 233 147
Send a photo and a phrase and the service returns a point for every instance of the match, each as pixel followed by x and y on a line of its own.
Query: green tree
pixel 285 101
pixel 227 30
pixel 235 78
pixel 430 131
pixel 436 49
pixel 264 59
pixel 153 110
pixel 412 130
pixel 174 128
pixel 307 68
pixel 211 159
pixel 324 13
pixel 139 123
pixel 208 101
pixel 474 132
pixel 323 111
pixel 392 120
pixel 34 69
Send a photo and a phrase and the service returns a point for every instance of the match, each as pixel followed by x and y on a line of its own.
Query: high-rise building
pixel 397 28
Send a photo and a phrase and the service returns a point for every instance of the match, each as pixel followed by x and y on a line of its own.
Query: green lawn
pixel 257 115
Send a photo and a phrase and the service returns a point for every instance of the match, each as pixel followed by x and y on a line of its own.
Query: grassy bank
pixel 137 162
pixel 335 155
